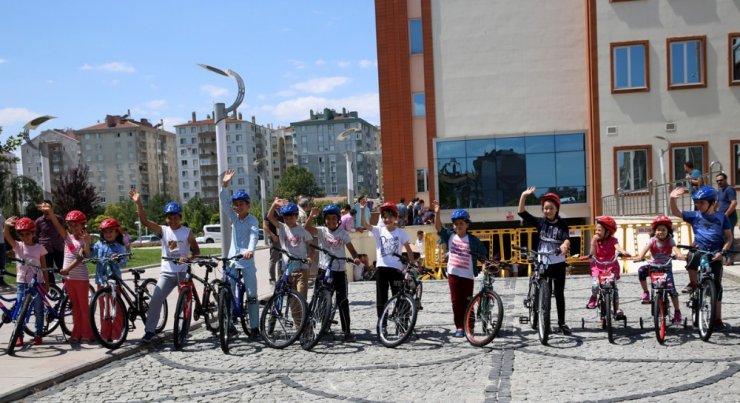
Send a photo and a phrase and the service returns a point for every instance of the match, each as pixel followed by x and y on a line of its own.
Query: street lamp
pixel 662 173
pixel 343 136
pixel 258 164
pixel 219 118
pixel 45 177
pixel 160 167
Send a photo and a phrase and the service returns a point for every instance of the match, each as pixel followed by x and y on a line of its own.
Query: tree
pixel 197 214
pixel 297 181
pixel 10 145
pixel 19 195
pixel 155 207
pixel 73 191
pixel 124 212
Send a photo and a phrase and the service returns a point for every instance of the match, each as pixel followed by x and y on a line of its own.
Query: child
pixel 389 239
pixel 76 280
pixel 461 266
pixel 712 231
pixel 553 233
pixel 178 241
pixel 28 250
pixel 244 237
pixel 110 245
pixel 334 239
pixel 420 244
pixel 604 247
pixel 660 246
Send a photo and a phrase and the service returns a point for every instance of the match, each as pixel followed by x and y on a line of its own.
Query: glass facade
pixel 493 172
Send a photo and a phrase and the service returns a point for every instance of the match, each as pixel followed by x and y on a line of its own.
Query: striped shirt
pixel 459 263
pixel 73 248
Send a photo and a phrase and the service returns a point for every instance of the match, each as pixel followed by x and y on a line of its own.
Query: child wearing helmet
pixel 712 231
pixel 178 242
pixel 334 239
pixel 109 246
pixel 661 246
pixel 553 234
pixel 389 241
pixel 461 264
pixel 604 246
pixel 74 271
pixel 244 237
pixel 28 250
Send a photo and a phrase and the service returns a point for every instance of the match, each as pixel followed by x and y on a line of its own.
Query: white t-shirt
pixel 334 242
pixel 294 241
pixel 387 243
pixel 175 245
pixel 459 262
pixel 31 254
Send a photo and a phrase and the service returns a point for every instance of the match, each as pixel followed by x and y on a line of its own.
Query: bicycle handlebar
pixel 491 266
pixel 290 257
pixel 116 259
pixel 691 248
pixel 556 252
pixel 34 266
pixel 326 252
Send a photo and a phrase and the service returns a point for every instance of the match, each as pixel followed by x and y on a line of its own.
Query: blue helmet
pixel 707 193
pixel 172 208
pixel 290 208
pixel 240 195
pixel 460 214
pixel 331 209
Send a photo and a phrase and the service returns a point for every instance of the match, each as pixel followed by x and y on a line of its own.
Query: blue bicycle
pixel 286 312
pixel 231 307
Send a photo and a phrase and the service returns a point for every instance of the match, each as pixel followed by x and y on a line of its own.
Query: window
pixel 421 180
pixel 687 59
pixel 415 36
pixel 630 66
pixel 88 146
pixel 632 167
pixel 184 163
pixel 182 141
pixel 735 162
pixel 186 195
pixel 734 58
pixel 682 152
pixel 420 107
pixel 240 181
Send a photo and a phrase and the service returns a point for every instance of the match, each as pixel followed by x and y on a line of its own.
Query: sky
pixel 82 60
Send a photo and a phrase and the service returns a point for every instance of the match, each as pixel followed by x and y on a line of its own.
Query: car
pixel 152 239
pixel 211 234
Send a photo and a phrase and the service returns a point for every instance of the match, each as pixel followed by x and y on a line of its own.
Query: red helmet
pixel 608 223
pixel 388 206
pixel 550 197
pixel 75 216
pixel 662 220
pixel 110 223
pixel 25 224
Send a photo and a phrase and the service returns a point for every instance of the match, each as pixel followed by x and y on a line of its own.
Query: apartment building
pixel 282 155
pixel 123 153
pixel 49 156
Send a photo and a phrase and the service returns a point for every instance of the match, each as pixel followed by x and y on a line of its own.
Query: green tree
pixel 297 181
pixel 19 195
pixel 124 212
pixel 73 191
pixel 155 207
pixel 7 148
pixel 196 213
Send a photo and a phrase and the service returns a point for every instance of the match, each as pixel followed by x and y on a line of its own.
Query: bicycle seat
pixel 138 271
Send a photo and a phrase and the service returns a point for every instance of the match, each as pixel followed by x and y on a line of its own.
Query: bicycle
pixel 539 294
pixel 660 298
pixel 109 313
pixel 230 306
pixel 400 312
pixel 187 293
pixel 485 309
pixel 703 299
pixel 321 309
pixel 286 312
pixel 607 283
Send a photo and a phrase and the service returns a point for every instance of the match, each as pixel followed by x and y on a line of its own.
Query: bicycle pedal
pixel 523 320
pixel 333 322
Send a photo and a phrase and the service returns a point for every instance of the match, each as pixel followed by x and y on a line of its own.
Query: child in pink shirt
pixel 604 247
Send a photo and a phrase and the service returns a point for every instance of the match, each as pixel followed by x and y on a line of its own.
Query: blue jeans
pixel 249 272
pixel 38 306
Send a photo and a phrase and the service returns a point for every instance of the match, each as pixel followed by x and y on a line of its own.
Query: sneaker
pixel 565 330
pixel 37 341
pixel 591 303
pixel 254 334
pixel 148 337
pixel 689 288
pixel 645 298
pixel 619 315
pixel 459 333
pixel 349 337
pixel 19 342
pixel 677 318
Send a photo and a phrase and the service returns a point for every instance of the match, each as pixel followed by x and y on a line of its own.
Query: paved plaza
pixel 434 366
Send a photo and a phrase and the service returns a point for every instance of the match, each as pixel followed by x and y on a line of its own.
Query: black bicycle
pixel 286 312
pixel 322 309
pixel 485 311
pixel 398 319
pixel 540 290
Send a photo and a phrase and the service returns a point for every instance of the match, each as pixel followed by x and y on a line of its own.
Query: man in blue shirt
pixel 693 176
pixel 727 204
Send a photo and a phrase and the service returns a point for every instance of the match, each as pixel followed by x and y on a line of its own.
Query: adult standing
pixel 693 176
pixel 347 221
pixel 302 208
pixel 2 254
pixel 361 210
pixel 276 262
pixel 402 212
pixel 49 238
pixel 727 198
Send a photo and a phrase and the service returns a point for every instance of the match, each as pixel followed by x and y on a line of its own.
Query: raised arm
pixel 276 204
pixel 6 231
pixel 308 226
pixel 437 221
pixel 154 227
pixel 523 198
pixel 363 222
pixel 49 212
pixel 675 194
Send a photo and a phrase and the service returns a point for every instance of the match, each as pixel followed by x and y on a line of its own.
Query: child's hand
pixel 435 207
pixel 10 222
pixel 528 191
pixel 227 176
pixel 134 195
pixel 314 212
pixel 677 192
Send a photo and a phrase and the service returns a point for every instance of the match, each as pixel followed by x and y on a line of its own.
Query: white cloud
pixel 320 85
pixel 214 91
pixel 319 62
pixel 298 64
pixel 365 63
pixel 12 116
pixel 156 104
pixel 344 64
pixel 113 67
pixel 292 110
pixel 285 93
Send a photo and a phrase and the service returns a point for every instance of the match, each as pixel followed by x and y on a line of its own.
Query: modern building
pixel 318 150
pixel 282 155
pixel 196 150
pixel 123 153
pixel 479 100
pixel 49 156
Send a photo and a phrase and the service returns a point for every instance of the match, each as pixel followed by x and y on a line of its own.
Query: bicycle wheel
pixel 707 310
pixel 543 311
pixel 659 317
pixel 483 317
pixel 148 286
pixel 183 316
pixel 66 319
pixel 210 306
pixel 225 318
pixel 397 320
pixel 607 312
pixel 533 302
pixel 283 319
pixel 108 318
pixel 20 322
pixel 244 318
pixel 319 316
pixel 418 292
pixel 51 319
